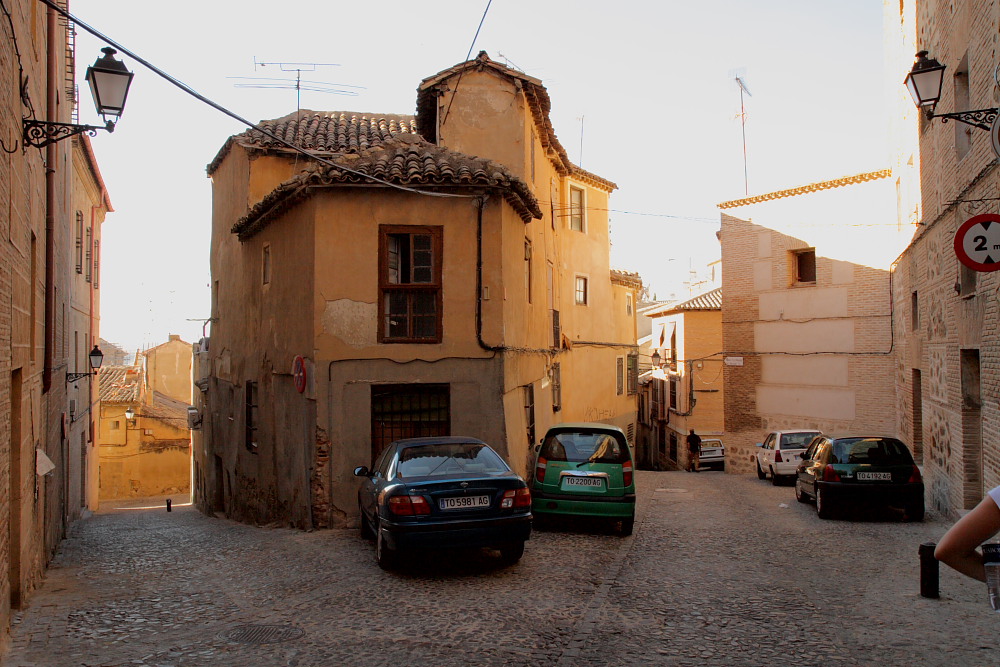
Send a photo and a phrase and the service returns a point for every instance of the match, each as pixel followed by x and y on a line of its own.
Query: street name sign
pixel 977 242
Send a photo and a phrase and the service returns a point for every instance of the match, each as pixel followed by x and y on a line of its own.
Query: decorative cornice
pixel 806 189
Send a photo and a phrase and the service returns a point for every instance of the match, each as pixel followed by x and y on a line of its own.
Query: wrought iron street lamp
pixel 109 81
pixel 129 413
pixel 655 358
pixel 96 358
pixel 924 83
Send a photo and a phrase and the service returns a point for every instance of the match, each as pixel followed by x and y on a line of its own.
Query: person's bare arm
pixel 959 546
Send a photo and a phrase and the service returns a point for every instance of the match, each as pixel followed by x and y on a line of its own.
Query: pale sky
pixel 652 81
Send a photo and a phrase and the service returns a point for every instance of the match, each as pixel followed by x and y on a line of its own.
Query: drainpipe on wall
pixel 481 204
pixel 51 114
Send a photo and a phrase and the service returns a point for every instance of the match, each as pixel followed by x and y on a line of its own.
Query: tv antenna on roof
pixel 297 84
pixel 743 121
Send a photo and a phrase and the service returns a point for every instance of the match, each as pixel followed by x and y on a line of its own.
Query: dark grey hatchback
pixel 443 492
pixel 861 470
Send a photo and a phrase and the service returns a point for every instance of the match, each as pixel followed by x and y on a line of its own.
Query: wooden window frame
pixel 434 287
pixel 586 290
pixel 578 214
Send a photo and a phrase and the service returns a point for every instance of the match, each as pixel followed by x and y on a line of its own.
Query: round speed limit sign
pixel 977 242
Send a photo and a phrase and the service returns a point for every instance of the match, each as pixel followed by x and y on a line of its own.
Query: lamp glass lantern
pixel 656 358
pixel 109 81
pixel 129 413
pixel 96 358
pixel 924 81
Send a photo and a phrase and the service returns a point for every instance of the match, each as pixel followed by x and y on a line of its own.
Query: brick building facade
pixel 806 311
pixel 37 260
pixel 946 315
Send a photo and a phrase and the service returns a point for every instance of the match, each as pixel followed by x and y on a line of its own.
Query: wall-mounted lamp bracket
pixel 40 133
pixel 981 118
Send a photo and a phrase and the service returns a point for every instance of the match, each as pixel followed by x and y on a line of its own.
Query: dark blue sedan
pixel 443 492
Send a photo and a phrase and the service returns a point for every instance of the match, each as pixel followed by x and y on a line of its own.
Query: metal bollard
pixel 928 570
pixel 170 510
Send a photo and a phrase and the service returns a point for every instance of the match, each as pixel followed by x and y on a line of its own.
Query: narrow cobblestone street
pixel 722 569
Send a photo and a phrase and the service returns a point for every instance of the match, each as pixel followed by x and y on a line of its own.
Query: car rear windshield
pixel 449 459
pixel 874 451
pixel 794 440
pixel 580 446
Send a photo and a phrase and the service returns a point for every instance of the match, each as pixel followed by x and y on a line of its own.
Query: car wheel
pixel 385 556
pixel 915 512
pixel 775 478
pixel 628 525
pixel 799 496
pixel 760 473
pixel 823 509
pixel 511 553
pixel 366 526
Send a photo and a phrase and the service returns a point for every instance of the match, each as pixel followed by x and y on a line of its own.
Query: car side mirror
pixel 804 456
pixel 362 471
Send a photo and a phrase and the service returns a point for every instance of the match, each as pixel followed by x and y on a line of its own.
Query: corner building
pixel 449 275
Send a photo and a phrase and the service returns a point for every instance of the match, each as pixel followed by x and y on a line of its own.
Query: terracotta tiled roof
pixel 625 278
pixel 538 100
pixel 166 408
pixel 812 187
pixel 322 132
pixel 405 160
pixel 349 132
pixel 711 300
pixel 119 384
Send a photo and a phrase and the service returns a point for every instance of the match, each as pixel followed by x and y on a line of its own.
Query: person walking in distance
pixel 694 452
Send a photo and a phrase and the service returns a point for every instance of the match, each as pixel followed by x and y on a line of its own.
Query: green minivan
pixel 584 469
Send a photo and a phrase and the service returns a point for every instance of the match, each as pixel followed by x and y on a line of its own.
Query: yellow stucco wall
pixel 142 457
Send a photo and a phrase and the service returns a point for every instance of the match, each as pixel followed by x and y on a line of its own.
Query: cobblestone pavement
pixel 722 569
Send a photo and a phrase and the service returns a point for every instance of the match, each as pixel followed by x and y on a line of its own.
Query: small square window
pixel 804 265
pixel 581 291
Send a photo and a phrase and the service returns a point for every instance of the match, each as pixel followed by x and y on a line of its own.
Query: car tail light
pixel 516 498
pixel 540 469
pixel 777 456
pixel 915 477
pixel 830 475
pixel 627 473
pixel 409 505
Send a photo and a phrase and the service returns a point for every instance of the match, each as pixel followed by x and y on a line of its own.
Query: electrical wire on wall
pixel 218 107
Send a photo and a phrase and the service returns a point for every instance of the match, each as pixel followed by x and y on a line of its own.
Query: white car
pixel 713 454
pixel 778 456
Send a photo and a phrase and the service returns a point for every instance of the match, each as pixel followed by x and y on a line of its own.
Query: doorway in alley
pixel 408 411
pixel 972 430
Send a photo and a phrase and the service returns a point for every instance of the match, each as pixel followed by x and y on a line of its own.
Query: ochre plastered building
pixel 91 204
pixel 475 299
pixel 686 390
pixel 149 453
pixel 946 373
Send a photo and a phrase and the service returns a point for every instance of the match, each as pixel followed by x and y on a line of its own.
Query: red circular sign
pixel 299 374
pixel 977 242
